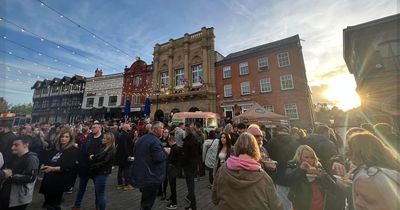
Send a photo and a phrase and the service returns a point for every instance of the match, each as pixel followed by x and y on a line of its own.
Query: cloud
pixel 318 94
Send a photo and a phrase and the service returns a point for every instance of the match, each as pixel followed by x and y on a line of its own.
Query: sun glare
pixel 342 93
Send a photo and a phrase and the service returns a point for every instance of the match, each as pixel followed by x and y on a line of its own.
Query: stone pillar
pixel 186 66
pixel 156 66
pixel 171 72
pixel 206 70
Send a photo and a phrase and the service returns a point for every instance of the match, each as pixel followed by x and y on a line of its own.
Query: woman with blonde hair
pixel 101 167
pixel 377 180
pixel 240 183
pixel 61 171
pixel 309 184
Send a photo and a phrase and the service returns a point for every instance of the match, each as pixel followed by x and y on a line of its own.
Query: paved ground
pixel 121 200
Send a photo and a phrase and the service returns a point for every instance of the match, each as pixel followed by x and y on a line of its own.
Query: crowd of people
pixel 249 167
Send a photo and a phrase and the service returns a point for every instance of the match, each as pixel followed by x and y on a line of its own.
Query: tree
pixel 22 109
pixel 4 106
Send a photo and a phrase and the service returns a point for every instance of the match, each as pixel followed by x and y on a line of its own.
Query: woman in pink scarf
pixel 240 183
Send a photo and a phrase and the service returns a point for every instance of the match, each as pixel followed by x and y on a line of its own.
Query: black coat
pixel 190 153
pixel 63 180
pixel 281 148
pixel 91 146
pixel 6 140
pixel 124 148
pixel 102 162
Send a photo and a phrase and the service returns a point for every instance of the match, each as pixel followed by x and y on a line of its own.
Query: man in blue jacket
pixel 148 169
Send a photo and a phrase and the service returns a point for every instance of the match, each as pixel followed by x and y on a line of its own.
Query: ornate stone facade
pixel 184 74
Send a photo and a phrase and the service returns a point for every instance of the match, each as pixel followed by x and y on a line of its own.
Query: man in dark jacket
pixel 282 148
pixel 92 146
pixel 149 166
pixel 6 139
pixel 124 155
pixel 189 163
pixel 17 190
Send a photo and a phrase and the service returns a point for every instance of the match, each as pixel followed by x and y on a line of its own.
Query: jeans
pixel 190 185
pixel 283 193
pixel 123 175
pixel 149 194
pixel 172 186
pixel 210 175
pixel 99 187
pixel 100 190
pixel 83 181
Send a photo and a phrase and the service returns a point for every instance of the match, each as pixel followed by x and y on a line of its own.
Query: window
pixel 164 80
pixel 227 90
pixel 54 89
pixel 263 64
pixel 227 72
pixel 101 101
pixel 286 82
pixel 283 59
pixel 38 91
pixel 244 68
pixel 245 88
pixel 265 85
pixel 45 103
pixel 244 108
pixel 197 75
pixel 76 101
pixel 112 100
pixel 65 101
pixel 269 108
pixel 228 111
pixel 291 111
pixel 55 102
pixel 45 90
pixel 137 81
pixel 179 77
pixel 136 99
pixel 89 102
pixel 65 88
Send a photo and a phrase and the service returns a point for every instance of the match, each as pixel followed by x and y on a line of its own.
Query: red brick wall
pixel 277 98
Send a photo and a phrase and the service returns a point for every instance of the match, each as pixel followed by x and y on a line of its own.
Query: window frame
pixel 266 64
pixel 286 109
pixel 244 65
pixel 268 82
pixel 242 87
pixel 87 102
pixel 226 69
pixel 164 79
pixel 284 82
pixel 280 59
pixel 110 103
pixel 179 78
pixel 225 92
pixel 197 75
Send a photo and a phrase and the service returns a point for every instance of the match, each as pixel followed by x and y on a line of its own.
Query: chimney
pixel 98 73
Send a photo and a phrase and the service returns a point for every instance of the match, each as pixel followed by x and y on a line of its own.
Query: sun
pixel 341 93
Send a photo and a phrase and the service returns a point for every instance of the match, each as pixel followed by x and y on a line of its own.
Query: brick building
pixel 371 52
pixel 272 75
pixel 137 86
pixel 183 76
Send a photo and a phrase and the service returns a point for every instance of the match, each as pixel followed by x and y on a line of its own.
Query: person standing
pixel 150 155
pixel 173 162
pixel 93 146
pixel 100 168
pixel 62 166
pixel 189 164
pixel 124 155
pixel 6 140
pixel 20 178
pixel 240 183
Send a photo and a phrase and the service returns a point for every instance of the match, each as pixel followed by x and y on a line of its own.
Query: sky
pixel 37 42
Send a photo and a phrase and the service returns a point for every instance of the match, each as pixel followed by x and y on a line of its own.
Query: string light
pixel 41 53
pixel 84 28
pixel 60 46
